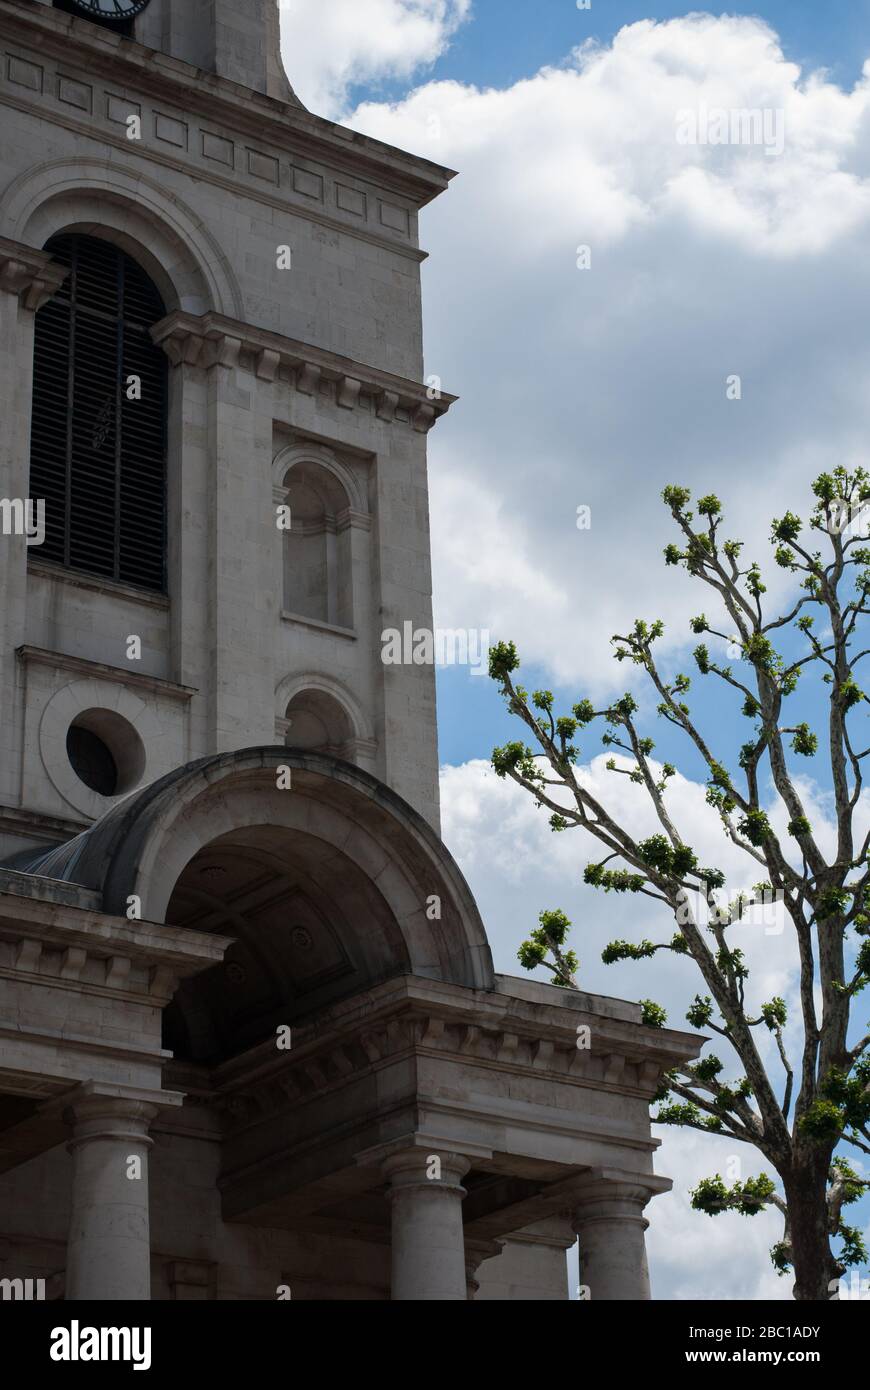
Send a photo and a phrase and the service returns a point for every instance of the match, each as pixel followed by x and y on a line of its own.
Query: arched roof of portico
pixel 336 815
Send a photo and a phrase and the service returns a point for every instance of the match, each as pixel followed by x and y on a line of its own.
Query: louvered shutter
pixel 97 458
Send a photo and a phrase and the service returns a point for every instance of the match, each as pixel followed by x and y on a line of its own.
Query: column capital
pixel 30 274
pixel 109 1117
pixel 416 1167
pixel 422 1142
pixel 613 1193
pixel 476 1251
pixel 108 1250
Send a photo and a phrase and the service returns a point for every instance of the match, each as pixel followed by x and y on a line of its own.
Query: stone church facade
pixel 252 1044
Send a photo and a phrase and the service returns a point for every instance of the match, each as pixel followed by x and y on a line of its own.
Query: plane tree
pixel 793 1080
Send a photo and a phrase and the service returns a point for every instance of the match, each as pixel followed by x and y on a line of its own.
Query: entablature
pixel 210 340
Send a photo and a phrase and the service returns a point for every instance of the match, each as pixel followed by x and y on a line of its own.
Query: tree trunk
pixel 815 1269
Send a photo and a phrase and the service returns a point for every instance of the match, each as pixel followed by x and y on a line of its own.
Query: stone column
pixel 109 1250
pixel 609 1221
pixel 428 1253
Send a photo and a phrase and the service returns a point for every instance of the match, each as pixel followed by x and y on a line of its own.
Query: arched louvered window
pixel 98 430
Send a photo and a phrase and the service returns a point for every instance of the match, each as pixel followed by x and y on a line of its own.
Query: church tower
pixel 210 330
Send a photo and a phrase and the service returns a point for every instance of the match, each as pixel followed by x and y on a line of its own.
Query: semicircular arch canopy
pixel 326 886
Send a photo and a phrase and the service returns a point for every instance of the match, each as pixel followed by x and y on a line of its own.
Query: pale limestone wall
pixel 203 200
pixel 228 197
pixel 531 1267
pixel 270 369
pixel 80 615
pixel 222 36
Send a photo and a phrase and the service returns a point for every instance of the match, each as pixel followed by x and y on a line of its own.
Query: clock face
pixel 110 10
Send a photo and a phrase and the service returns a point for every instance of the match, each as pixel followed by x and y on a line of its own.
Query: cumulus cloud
pixel 516 866
pixel 597 387
pixel 695 1256
pixel 330 48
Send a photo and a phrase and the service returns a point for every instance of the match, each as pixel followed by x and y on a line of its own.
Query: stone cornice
pixel 209 340
pixel 37 824
pixel 99 670
pixel 411 1016
pixel 288 124
pixel 283 200
pixel 38 917
pixel 30 274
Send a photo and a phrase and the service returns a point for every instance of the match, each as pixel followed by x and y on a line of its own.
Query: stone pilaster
pixel 221 503
pixel 28 279
pixel 238 39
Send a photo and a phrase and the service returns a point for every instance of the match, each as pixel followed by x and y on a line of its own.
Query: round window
pixel 105 752
pixel 92 761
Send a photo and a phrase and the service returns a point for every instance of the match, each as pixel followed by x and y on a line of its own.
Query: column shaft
pixel 428 1253
pixel 610 1225
pixel 109 1252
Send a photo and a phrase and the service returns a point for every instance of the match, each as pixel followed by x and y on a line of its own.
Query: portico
pixel 429 1113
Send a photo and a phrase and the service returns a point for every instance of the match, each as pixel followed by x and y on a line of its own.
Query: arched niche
pixel 317 713
pixel 322 549
pixel 316 722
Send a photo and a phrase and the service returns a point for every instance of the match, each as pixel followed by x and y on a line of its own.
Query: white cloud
pixel 516 866
pixel 329 47
pixel 695 1256
pixel 598 387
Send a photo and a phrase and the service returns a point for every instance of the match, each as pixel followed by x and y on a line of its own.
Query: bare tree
pixel 799 1111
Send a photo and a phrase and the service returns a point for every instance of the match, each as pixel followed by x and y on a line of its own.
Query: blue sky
pixel 511 39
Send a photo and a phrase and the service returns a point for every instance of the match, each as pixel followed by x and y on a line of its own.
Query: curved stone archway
pixel 96 197
pixel 308 927
pixel 380 866
pixel 304 454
